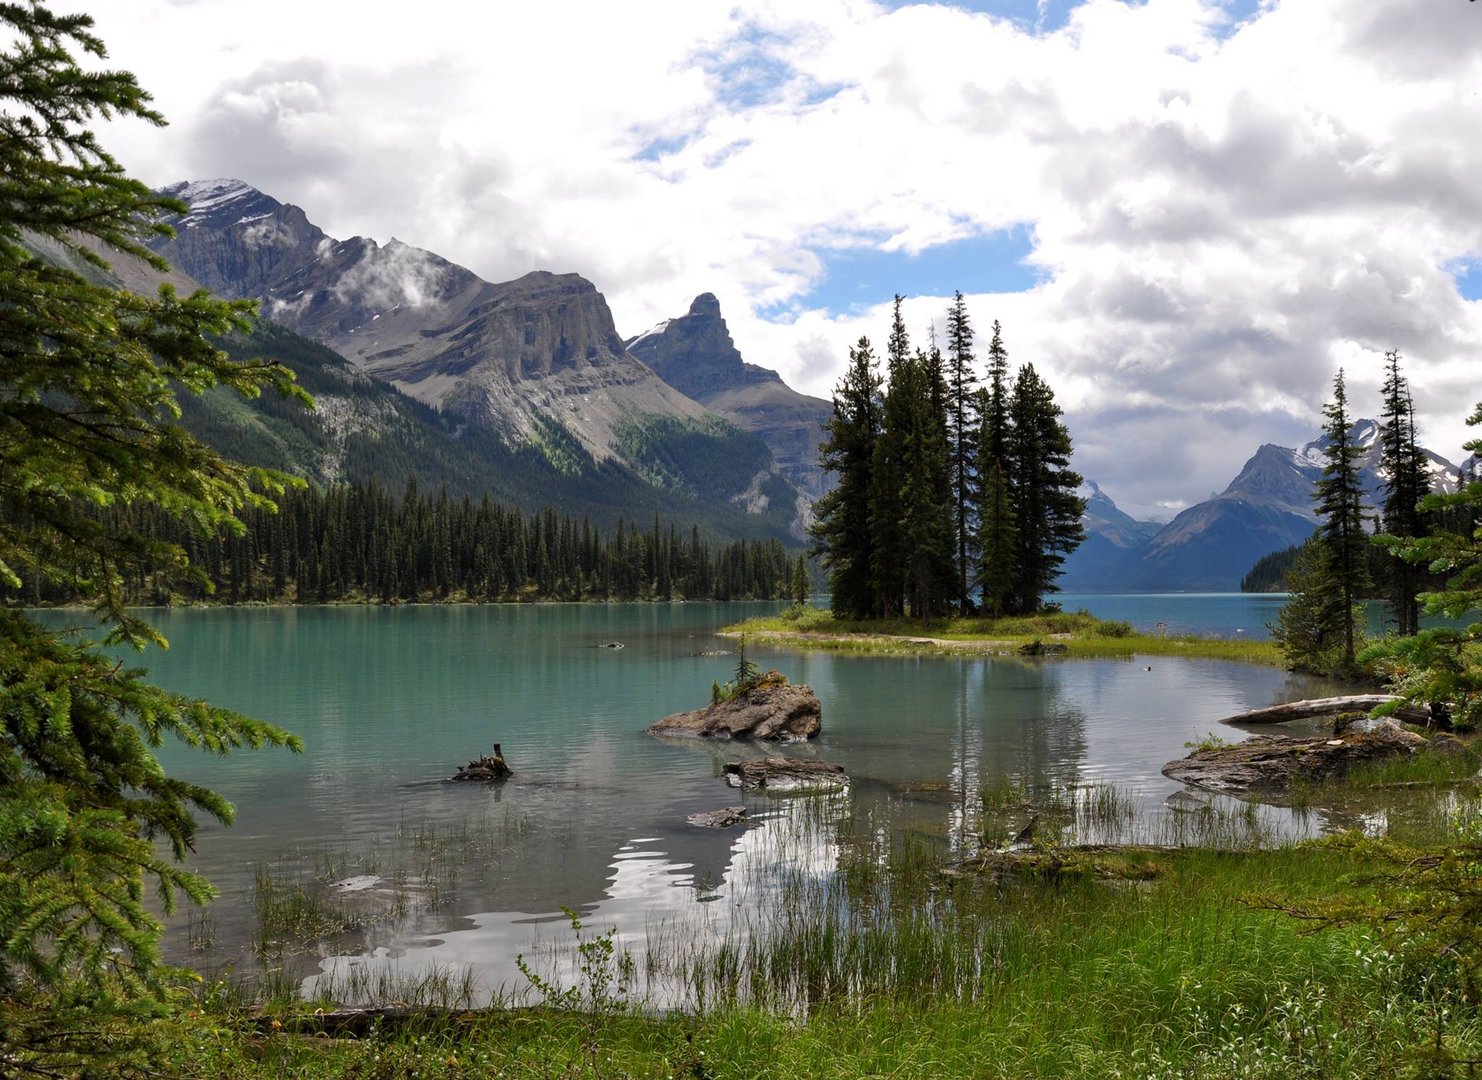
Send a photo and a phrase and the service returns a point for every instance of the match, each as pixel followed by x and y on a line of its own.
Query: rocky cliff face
pixel 503 355
pixel 695 354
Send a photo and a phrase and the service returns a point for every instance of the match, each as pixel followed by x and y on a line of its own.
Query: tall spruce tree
pixel 1442 666
pixel 962 429
pixel 926 529
pixel 1048 511
pixel 88 381
pixel 993 487
pixel 1406 483
pixel 888 572
pixel 1340 511
pixel 841 532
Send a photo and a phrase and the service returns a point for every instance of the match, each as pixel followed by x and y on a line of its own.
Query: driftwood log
pixel 1328 706
pixel 489 767
pixel 778 774
pixel 1271 764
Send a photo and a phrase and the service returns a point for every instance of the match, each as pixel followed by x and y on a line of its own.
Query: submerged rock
pixel 1044 648
pixel 719 819
pixel 783 713
pixel 1269 764
pixel 778 774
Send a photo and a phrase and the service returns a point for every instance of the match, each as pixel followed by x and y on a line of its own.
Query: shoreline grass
pixel 905 963
pixel 1082 634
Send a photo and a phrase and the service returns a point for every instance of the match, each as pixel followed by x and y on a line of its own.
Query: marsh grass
pixel 862 952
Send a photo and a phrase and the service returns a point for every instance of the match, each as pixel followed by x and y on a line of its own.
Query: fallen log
pixel 1328 706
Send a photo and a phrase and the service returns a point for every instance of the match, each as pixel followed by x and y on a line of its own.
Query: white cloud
pixel 1219 217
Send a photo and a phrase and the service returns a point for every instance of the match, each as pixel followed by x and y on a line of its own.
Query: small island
pixel 750 706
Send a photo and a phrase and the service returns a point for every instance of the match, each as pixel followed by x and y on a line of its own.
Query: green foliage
pixel 1443 665
pixel 747 673
pixel 944 488
pixel 602 974
pixel 710 455
pixel 1268 575
pixel 89 377
pixel 1310 626
pixel 802 587
pixel 1047 509
pixel 841 532
pixel 1406 483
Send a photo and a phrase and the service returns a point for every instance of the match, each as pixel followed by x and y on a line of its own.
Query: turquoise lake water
pixel 389 701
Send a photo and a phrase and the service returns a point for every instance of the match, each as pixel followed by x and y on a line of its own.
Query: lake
pixel 389 701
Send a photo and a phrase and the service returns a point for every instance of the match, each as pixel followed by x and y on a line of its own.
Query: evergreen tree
pixel 962 432
pixel 993 488
pixel 801 589
pixel 1406 483
pixel 1442 666
pixel 1048 510
pixel 1309 626
pixel 841 533
pixel 888 474
pixel 926 519
pixel 88 382
pixel 1340 512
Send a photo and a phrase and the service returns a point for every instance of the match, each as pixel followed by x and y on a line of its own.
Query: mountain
pixel 1210 546
pixel 694 354
pixel 534 365
pixel 1111 534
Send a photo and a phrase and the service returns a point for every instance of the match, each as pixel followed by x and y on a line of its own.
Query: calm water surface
pixel 389 701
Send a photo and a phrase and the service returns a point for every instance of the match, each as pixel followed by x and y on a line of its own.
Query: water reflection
pixel 390 701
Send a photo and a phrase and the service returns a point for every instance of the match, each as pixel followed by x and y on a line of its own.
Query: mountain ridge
pixel 1210 546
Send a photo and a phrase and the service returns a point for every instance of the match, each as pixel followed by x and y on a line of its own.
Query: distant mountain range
pixel 1209 547
pixel 529 378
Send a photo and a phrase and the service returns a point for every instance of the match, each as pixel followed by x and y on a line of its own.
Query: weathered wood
pixel 1270 764
pixel 489 767
pixel 778 774
pixel 1329 706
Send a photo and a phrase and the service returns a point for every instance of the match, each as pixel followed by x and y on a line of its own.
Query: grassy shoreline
pixel 1081 633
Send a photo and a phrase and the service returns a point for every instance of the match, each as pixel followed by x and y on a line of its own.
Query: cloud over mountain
pixel 1217 211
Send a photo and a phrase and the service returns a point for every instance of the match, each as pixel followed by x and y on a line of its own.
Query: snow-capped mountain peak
pixel 222 200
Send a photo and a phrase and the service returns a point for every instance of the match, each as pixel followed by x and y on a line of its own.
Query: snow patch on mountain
pixel 654 332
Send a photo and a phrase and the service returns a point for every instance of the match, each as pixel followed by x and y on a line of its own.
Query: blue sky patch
pixel 862 277
pixel 1468 276
pixel 748 69
pixel 662 147
pixel 1046 15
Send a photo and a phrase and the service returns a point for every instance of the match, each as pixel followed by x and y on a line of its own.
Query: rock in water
pixel 723 818
pixel 1268 764
pixel 777 774
pixel 782 713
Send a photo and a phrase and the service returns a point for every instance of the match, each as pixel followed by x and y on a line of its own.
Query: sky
pixel 1187 214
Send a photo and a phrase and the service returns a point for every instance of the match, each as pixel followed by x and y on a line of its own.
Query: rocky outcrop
pixel 695 354
pixel 723 818
pixel 509 356
pixel 1270 764
pixel 782 713
pixel 777 775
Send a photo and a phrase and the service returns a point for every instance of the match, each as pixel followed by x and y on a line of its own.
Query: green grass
pixel 1136 962
pixel 921 976
pixel 1083 634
